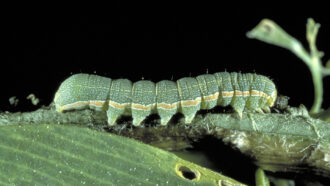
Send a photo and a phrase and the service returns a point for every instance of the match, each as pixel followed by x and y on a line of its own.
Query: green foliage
pixel 269 32
pixel 261 178
pixel 71 155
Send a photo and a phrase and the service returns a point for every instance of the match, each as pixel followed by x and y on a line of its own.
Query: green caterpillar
pixel 187 95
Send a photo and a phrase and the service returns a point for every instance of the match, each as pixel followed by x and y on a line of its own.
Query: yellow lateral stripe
pixel 167 106
pixel 240 93
pixel 97 103
pixel 211 97
pixel 118 105
pixel 142 107
pixel 188 103
pixel 227 94
pixel 259 93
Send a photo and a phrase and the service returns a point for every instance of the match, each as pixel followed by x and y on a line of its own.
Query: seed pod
pixel 186 95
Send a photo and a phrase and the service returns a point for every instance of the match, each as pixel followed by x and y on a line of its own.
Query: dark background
pixel 41 50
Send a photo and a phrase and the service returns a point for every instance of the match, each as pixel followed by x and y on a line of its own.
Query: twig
pixel 268 31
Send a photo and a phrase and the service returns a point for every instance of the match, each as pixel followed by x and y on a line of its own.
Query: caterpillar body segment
pixel 143 100
pixel 167 100
pixel 119 100
pixel 209 91
pixel 187 95
pixel 190 97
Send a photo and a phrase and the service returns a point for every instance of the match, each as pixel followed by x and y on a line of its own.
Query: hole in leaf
pixel 187 173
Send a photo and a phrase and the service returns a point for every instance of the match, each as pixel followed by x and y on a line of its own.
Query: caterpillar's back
pixel 187 95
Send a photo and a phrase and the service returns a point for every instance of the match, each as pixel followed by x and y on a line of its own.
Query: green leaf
pixel 261 178
pixel 269 32
pixel 59 155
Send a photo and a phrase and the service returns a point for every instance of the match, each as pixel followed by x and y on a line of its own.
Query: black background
pixel 41 50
